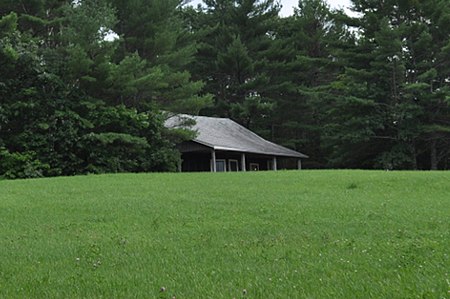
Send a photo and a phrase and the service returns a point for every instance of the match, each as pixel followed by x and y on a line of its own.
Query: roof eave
pixel 294 155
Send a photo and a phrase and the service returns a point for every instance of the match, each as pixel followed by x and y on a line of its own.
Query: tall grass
pixel 294 234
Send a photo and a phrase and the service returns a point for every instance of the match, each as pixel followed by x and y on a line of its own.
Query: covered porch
pixel 212 160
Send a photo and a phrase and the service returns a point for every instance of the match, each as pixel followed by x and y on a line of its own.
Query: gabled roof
pixel 227 135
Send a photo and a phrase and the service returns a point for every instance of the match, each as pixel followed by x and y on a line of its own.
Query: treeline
pixel 72 101
pixel 83 83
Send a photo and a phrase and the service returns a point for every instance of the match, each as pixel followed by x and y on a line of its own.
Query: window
pixel 254 166
pixel 221 165
pixel 233 165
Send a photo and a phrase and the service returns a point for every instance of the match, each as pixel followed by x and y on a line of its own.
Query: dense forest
pixel 85 86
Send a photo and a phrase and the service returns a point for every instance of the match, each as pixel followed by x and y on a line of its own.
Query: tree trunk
pixel 433 154
pixel 414 156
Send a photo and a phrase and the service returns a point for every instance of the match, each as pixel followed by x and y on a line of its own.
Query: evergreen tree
pixel 303 66
pixel 233 37
pixel 155 51
pixel 370 91
pixel 386 113
pixel 426 47
pixel 55 118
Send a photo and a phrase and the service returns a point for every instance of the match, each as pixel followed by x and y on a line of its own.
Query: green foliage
pixel 114 152
pixel 398 158
pixel 154 41
pixel 393 66
pixel 67 107
pixel 369 91
pixel 89 23
pixel 303 75
pixel 124 140
pixel 20 165
pixel 285 234
pixel 233 38
pixel 8 24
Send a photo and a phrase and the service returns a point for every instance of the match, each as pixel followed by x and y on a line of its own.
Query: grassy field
pixel 292 234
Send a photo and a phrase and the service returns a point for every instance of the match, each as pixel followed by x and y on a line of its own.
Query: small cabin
pixel 222 145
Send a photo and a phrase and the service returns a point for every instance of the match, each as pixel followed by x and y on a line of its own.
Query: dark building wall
pixel 195 162
pixel 191 146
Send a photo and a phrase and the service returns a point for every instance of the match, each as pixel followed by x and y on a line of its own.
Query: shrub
pixel 20 165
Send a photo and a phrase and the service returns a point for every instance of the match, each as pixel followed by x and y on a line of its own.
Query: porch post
pixel 243 162
pixel 180 165
pixel 213 161
pixel 275 163
pixel 299 164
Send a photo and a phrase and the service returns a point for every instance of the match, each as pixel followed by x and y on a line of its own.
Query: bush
pixel 20 165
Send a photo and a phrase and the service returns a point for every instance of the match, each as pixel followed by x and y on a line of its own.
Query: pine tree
pixel 155 51
pixel 233 37
pixel 301 77
pixel 390 107
pixel 55 114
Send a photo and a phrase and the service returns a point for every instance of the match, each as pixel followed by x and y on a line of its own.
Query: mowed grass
pixel 286 234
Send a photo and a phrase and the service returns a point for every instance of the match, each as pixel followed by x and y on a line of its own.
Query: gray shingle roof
pixel 225 134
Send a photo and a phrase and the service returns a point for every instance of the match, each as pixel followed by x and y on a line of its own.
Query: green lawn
pixel 286 234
